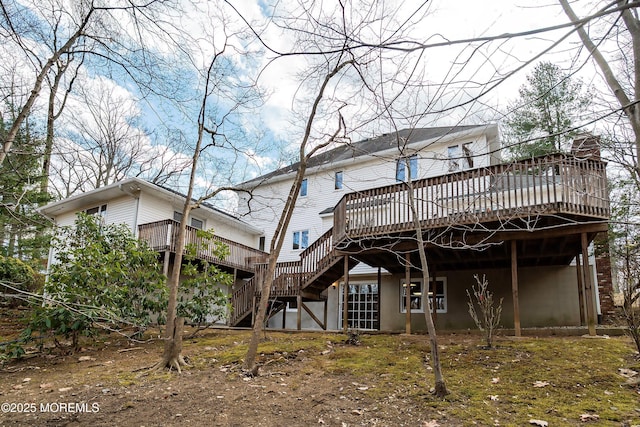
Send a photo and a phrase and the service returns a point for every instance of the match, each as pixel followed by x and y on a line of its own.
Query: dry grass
pixel 383 381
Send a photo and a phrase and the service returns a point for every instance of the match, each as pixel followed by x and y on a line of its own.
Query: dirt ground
pixel 102 384
pixel 99 387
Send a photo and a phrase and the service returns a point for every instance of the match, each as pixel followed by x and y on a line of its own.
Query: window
pixel 261 243
pixel 468 155
pixel 453 154
pixel 195 222
pixel 417 296
pixel 338 181
pixel 99 211
pixel 300 239
pixel 459 157
pixel 303 188
pixel 403 163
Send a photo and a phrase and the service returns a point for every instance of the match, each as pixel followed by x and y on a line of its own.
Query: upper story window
pixel 194 222
pixel 300 239
pixel 407 163
pixel 453 154
pixel 460 157
pixel 98 211
pixel 303 188
pixel 467 155
pixel 338 180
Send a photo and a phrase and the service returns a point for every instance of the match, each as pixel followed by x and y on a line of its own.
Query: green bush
pixel 16 276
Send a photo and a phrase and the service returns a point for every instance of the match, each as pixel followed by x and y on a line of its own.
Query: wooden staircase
pixel 317 269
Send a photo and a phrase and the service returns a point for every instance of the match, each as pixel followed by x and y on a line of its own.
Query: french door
pixel 363 304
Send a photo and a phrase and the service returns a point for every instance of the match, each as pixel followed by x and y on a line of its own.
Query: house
pixel 153 212
pixel 526 225
pixel 529 226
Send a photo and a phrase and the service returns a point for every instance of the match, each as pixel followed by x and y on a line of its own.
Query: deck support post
pixel 514 289
pixel 407 293
pixel 345 300
pixel 325 315
pixel 583 320
pixel 379 287
pixel 433 287
pixel 299 318
pixel 588 285
pixel 284 316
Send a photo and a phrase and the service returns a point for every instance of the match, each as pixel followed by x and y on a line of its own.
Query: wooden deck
pixel 162 236
pixel 549 185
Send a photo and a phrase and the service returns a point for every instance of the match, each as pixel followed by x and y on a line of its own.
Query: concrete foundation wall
pixel 548 296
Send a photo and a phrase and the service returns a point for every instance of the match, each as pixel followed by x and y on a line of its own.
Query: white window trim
pixel 410 174
pixel 191 218
pixel 335 181
pixel 300 249
pixel 442 279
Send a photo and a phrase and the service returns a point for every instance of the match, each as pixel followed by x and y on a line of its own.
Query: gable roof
pixel 367 147
pixel 131 186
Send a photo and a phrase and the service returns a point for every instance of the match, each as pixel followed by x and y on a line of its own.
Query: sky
pixel 445 80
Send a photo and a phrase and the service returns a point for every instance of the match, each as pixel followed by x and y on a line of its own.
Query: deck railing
pixel 549 184
pixel 162 236
pixel 242 297
pixel 318 256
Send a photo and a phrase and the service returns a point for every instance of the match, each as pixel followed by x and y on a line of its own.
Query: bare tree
pixel 305 152
pixel 621 72
pixel 223 101
pixel 51 35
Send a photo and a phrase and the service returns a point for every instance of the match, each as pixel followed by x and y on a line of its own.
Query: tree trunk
pixel 172 355
pixel 440 386
pixel 280 233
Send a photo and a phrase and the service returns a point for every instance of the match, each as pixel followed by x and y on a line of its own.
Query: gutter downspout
pixel 136 209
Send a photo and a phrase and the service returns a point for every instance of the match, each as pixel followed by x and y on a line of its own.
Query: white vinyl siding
pixel 357 174
pixel 121 211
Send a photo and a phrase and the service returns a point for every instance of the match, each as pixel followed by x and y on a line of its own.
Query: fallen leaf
pixel 589 417
pixel 64 389
pixel 357 412
pixel 493 397
pixel 495 380
pixel 540 423
pixel 86 359
pixel 432 423
pixel 540 384
pixel 627 373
